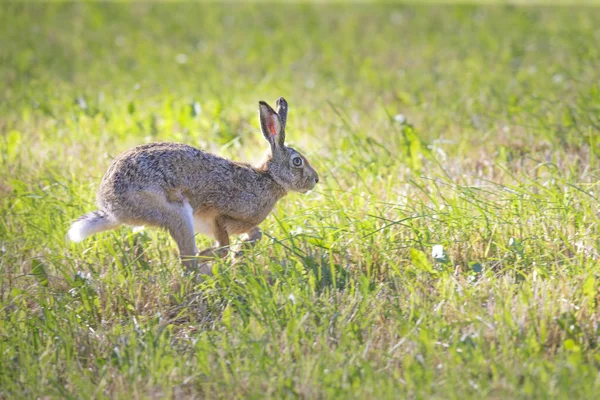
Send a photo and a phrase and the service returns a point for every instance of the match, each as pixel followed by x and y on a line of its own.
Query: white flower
pixel 400 118
pixel 438 253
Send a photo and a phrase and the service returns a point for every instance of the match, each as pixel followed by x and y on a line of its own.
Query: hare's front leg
pixel 222 237
pixel 252 237
pixel 249 240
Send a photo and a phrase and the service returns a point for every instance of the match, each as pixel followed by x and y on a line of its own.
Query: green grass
pixel 498 162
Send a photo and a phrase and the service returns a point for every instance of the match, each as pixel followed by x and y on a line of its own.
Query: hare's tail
pixel 90 223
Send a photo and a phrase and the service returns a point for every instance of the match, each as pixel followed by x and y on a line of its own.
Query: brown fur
pixel 171 185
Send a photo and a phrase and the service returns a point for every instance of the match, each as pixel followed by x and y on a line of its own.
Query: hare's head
pixel 288 167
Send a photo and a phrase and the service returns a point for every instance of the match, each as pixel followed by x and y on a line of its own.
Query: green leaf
pixel 38 270
pixel 589 287
pixel 590 290
pixel 226 317
pixel 571 346
pixel 420 261
pixel 13 141
pixel 414 147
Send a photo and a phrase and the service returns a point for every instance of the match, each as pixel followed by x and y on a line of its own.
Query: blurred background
pixel 195 72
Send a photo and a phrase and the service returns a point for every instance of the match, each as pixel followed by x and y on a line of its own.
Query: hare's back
pixel 165 165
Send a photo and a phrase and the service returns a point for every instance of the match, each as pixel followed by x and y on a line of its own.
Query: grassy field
pixel 471 128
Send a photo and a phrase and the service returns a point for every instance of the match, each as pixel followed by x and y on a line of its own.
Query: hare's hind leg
pixel 181 228
pixel 154 208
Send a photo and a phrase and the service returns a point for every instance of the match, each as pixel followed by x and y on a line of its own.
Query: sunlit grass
pixel 450 250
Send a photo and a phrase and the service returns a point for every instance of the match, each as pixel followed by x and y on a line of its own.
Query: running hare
pixel 185 190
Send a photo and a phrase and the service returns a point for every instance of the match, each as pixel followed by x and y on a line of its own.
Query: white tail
pixel 90 223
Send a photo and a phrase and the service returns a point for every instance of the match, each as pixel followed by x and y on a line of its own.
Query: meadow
pixel 450 250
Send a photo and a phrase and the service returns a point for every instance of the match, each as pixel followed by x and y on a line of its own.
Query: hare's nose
pixel 316 179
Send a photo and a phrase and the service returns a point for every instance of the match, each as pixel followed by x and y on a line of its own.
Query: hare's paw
pixel 251 238
pixel 213 253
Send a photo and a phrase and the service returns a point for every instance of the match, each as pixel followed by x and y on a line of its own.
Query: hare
pixel 185 190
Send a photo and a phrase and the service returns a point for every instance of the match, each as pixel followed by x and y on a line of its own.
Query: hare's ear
pixel 271 125
pixel 282 109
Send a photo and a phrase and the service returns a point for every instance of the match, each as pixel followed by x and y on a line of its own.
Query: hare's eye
pixel 297 161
